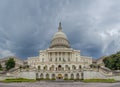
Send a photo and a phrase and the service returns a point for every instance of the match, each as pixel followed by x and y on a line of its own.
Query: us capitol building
pixel 59 61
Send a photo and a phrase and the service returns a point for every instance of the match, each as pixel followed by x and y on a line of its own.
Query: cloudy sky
pixel 27 26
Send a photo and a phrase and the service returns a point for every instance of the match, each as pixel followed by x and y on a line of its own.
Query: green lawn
pixel 99 80
pixel 18 80
pixel 32 80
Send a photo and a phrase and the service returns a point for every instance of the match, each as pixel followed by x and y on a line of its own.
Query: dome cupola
pixel 59 39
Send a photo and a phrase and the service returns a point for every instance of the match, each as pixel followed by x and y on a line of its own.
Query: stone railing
pixel 105 71
pixel 60 71
pixel 116 72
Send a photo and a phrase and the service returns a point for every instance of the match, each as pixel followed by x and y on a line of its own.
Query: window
pixel 66 76
pixel 55 54
pixel 59 67
pixel 66 67
pixel 76 59
pixel 79 66
pixel 41 75
pixel 39 67
pixel 42 59
pixel 59 53
pixel 53 75
pixel 72 76
pixel 52 67
pixel 59 58
pixel 63 60
pixel 63 54
pixel 47 75
pixel 73 67
pixel 51 59
pixel 77 75
pixel 37 75
pixel 45 67
pixel 56 59
pixel 69 59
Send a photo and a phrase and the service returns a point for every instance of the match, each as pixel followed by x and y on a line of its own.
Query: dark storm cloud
pixel 27 26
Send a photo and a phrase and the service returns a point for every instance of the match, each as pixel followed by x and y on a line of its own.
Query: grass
pixel 38 79
pixel 18 80
pixel 32 80
pixel 99 80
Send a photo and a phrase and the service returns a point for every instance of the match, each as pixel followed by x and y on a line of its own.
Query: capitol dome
pixel 59 39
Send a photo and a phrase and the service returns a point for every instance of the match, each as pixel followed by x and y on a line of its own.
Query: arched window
pixel 39 67
pixel 77 76
pixel 66 75
pixel 47 75
pixel 59 67
pixel 41 75
pixel 52 67
pixel 72 76
pixel 73 67
pixel 79 66
pixel 66 67
pixel 53 75
pixel 45 67
pixel 37 75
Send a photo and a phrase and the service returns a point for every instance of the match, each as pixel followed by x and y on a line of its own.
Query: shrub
pixel 19 80
pixel 66 79
pixel 99 80
pixel 77 79
pixel 41 78
pixel 47 78
pixel 53 79
pixel 71 79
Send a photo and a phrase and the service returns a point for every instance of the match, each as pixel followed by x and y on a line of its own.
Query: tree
pixel 10 64
pixel 0 67
pixel 113 61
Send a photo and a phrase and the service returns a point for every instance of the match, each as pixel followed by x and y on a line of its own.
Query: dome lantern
pixel 60 27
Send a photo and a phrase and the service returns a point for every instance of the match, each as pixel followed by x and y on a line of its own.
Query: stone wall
pixel 88 74
pixel 99 75
pixel 25 74
pixel 28 75
pixel 93 75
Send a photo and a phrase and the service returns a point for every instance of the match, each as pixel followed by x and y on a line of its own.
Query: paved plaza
pixel 59 84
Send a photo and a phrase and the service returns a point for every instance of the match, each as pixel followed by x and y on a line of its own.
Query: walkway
pixel 59 84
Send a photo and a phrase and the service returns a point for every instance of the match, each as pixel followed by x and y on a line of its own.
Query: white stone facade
pixel 59 60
